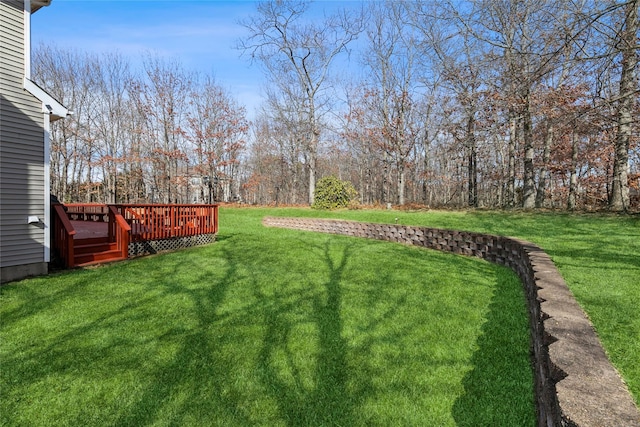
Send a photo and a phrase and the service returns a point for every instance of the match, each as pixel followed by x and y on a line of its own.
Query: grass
pixel 598 255
pixel 269 327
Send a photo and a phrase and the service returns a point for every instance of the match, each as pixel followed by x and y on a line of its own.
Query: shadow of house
pixel 26 112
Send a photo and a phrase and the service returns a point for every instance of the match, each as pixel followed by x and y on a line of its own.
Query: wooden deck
pixel 90 229
pixel 86 234
pixel 99 229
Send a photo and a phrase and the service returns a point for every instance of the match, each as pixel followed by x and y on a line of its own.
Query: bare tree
pixel 611 29
pixel 111 125
pixel 527 39
pixel 628 48
pixel 392 63
pixel 67 76
pixel 216 127
pixel 459 61
pixel 293 49
pixel 164 103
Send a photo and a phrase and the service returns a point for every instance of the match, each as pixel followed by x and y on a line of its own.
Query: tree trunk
pixel 511 178
pixel 313 160
pixel 472 168
pixel 312 179
pixel 544 170
pixel 111 185
pixel 425 178
pixel 529 189
pixel 619 200
pixel 401 185
pixel 573 180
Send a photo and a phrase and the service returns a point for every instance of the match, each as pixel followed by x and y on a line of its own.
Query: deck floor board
pixel 95 229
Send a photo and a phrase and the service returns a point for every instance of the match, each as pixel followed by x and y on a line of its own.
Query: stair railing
pixel 63 235
pixel 119 231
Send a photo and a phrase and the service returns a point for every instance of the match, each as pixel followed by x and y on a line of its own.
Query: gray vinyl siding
pixel 22 174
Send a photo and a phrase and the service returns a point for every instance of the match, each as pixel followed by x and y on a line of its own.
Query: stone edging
pixel 575 383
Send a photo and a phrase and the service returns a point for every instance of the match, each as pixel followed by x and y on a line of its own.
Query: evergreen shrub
pixel 333 193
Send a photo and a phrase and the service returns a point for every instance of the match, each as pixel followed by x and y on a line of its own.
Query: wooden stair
pixel 94 251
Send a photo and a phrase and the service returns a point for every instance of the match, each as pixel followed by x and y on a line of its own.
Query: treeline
pixel 159 135
pixel 496 103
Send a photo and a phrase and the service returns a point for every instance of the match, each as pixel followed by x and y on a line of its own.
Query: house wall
pixel 23 189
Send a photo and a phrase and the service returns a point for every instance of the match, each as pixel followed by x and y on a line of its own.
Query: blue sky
pixel 201 34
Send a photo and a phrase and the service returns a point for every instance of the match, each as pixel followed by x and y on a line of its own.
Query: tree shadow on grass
pixel 293 387
pixel 498 391
pixel 325 400
pixel 193 383
pixel 191 371
pixel 174 373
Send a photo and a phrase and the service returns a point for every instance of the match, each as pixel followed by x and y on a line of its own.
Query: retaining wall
pixel 575 383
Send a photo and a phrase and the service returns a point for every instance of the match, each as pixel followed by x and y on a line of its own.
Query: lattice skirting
pixel 154 246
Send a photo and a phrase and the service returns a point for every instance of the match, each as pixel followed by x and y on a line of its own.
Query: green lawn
pixel 272 327
pixel 598 256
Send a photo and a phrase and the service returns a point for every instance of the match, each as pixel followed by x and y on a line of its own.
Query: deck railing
pixel 119 231
pixel 63 233
pixel 155 222
pixel 87 212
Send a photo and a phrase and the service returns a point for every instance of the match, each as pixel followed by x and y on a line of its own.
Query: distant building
pixel 26 112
